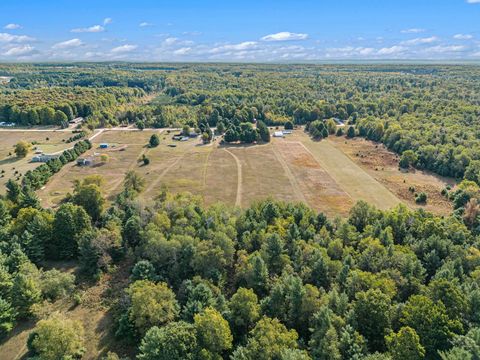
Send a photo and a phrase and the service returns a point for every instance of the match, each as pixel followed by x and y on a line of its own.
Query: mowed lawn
pixel 354 180
pixel 11 167
pixel 294 168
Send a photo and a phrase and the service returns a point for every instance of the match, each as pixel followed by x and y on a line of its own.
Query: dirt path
pixel 293 181
pixel 350 177
pixel 117 183
pixel 163 173
pixel 238 199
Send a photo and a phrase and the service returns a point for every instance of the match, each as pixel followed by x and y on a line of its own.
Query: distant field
pixel 322 174
pixel 382 165
pixel 10 163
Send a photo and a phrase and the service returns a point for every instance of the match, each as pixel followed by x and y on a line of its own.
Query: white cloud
pixel 441 49
pixel 473 1
pixel 145 24
pixel 169 41
pixel 192 33
pixel 73 43
pixel 107 21
pixel 13 27
pixel 393 50
pixel 463 36
pixel 22 50
pixel 246 45
pixel 284 36
pixel 182 51
pixel 413 31
pixel 91 29
pixel 123 49
pixel 419 41
pixel 9 38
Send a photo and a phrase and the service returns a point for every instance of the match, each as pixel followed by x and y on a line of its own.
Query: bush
pixel 288 125
pixel 57 338
pixel 56 284
pixel 154 141
pixel 421 198
pixel 351 132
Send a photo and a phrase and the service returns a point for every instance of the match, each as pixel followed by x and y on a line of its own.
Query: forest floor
pixel 329 175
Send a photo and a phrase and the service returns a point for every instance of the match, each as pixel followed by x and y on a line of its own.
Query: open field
pixel 10 163
pixel 326 174
pixel 382 165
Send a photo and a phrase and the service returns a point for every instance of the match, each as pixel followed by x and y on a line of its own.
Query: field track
pixel 349 176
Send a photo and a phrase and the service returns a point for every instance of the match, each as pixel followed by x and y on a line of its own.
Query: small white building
pixel 278 134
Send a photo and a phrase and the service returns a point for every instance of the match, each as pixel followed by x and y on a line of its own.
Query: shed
pixel 278 134
pixel 85 161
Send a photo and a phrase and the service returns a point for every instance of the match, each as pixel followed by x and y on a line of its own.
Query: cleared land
pixel 295 168
pixel 48 141
pixel 350 177
pixel 382 165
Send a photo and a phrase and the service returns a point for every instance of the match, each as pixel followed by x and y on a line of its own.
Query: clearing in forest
pixel 350 177
pixel 327 175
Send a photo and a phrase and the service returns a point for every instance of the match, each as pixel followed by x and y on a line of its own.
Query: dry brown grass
pixel 382 164
pixel 11 164
pixel 329 175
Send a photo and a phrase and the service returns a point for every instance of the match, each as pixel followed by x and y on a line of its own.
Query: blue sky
pixel 149 30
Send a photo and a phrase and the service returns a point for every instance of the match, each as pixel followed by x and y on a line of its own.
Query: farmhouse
pixel 44 158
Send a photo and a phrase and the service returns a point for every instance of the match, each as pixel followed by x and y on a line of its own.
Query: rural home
pixel 43 158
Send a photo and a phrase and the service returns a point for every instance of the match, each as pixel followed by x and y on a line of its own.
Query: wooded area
pixel 275 280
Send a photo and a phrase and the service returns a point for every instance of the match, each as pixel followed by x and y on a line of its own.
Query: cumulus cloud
pixel 462 36
pixel 393 50
pixel 246 45
pixel 91 29
pixel 13 27
pixel 19 51
pixel 284 36
pixel 145 24
pixel 413 31
pixel 73 43
pixel 182 51
pixel 123 49
pixel 169 41
pixel 419 41
pixel 9 38
pixel 442 49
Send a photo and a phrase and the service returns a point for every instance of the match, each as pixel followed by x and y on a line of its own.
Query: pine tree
pixel 7 318
pixel 25 293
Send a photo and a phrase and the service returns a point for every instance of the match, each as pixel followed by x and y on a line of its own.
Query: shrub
pixel 421 198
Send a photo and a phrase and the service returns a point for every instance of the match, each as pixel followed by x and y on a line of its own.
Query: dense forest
pixel 275 280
